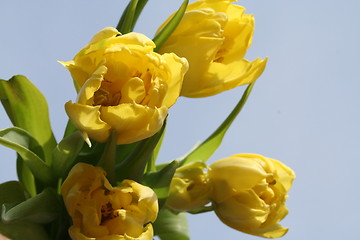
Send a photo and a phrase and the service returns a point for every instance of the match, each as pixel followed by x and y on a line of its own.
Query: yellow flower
pixel 123 86
pixel 102 212
pixel 249 193
pixel 214 36
pixel 189 188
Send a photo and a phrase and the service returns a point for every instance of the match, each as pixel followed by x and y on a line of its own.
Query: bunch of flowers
pixel 101 181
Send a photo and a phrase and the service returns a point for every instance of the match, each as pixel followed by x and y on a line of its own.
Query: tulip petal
pixel 245 210
pixel 222 77
pixel 206 36
pixel 106 33
pixel 277 213
pixel 78 74
pixel 133 122
pixel 226 178
pixel 176 67
pixel 238 33
pixel 190 187
pixel 86 93
pixel 208 30
pixel 80 178
pixel 75 234
pixel 198 62
pixel 87 119
pixel 273 231
pixel 286 175
pixel 147 199
pixel 133 90
pixel 133 41
pixel 220 6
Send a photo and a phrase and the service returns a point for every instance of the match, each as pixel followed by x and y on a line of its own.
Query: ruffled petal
pixel 234 174
pixel 147 199
pixel 87 119
pixel 176 68
pixel 133 122
pixel 222 77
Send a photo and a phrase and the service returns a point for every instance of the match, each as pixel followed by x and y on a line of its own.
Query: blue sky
pixel 304 109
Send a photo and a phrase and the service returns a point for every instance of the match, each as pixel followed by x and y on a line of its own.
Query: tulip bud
pixel 249 193
pixel 214 37
pixel 189 188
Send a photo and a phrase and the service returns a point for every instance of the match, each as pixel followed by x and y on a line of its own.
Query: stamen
pixel 107 212
pixel 104 97
pixel 219 59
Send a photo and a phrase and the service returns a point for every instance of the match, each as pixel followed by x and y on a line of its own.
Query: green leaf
pixel 160 181
pixel 91 155
pixel 133 166
pixel 170 27
pixel 60 226
pixel 25 176
pixel 42 208
pixel 27 108
pixel 204 151
pixel 127 19
pixel 69 129
pixel 123 150
pixel 139 7
pixel 171 226
pixel 24 173
pixel 12 192
pixel 20 141
pixel 65 153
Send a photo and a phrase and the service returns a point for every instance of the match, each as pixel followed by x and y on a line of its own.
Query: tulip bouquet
pixel 101 180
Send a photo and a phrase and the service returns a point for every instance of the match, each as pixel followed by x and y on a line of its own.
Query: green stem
pixel 170 225
pixel 70 128
pixel 150 167
pixel 130 16
pixel 205 150
pixel 170 27
pixel 134 165
pixel 107 160
pixel 126 21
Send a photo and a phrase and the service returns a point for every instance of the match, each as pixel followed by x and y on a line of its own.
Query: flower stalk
pixel 107 160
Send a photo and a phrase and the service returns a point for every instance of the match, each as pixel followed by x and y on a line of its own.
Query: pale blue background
pixel 304 110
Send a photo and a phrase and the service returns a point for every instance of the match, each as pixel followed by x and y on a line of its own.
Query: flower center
pixel 105 96
pixel 108 213
pixel 219 57
pixel 129 89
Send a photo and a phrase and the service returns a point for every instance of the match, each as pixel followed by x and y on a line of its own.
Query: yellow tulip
pixel 189 188
pixel 214 36
pixel 123 86
pixel 102 212
pixel 249 193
